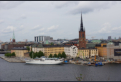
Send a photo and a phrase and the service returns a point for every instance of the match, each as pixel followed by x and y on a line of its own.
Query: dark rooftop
pixel 19 48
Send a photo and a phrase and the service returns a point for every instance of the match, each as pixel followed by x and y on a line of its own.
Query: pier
pixel 12 59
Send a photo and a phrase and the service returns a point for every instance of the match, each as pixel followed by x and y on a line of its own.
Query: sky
pixel 59 19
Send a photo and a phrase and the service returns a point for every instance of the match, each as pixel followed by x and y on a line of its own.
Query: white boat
pixel 44 60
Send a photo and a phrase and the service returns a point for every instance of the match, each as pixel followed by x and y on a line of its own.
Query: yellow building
pixel 48 49
pixel 19 52
pixel 83 53
pixel 53 49
pixel 87 53
pixel 102 49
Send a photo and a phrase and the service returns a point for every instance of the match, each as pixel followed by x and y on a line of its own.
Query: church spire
pixel 81 25
pixel 13 35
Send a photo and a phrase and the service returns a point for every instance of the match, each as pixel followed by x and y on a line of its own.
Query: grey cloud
pixel 38 27
pixel 60 4
pixel 87 7
pixel 9 4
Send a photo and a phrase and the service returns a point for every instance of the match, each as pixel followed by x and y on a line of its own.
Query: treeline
pixel 10 54
pixel 40 53
pixel 59 55
pixel 36 54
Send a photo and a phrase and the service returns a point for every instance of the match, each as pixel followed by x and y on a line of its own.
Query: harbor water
pixel 64 72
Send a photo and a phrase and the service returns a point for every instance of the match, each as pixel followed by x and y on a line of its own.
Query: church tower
pixel 82 37
pixel 13 37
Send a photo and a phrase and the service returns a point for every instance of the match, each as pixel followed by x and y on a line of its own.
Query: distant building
pixel 9 46
pixel 87 52
pixel 109 37
pixel 69 50
pixel 114 51
pixel 20 52
pixel 42 38
pixel 96 41
pixel 102 49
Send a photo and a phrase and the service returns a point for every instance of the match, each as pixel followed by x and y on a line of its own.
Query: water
pixel 64 72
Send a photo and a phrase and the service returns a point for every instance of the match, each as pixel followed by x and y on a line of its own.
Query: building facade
pixel 53 50
pixel 42 38
pixel 71 51
pixel 56 49
pixel 37 48
pixel 87 53
pixel 114 51
pixel 102 49
pixel 109 37
pixel 19 52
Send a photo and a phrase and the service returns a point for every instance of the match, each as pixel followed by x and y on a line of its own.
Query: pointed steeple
pixel 84 29
pixel 81 25
pixel 13 35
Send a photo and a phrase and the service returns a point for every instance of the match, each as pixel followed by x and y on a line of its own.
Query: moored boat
pixel 44 60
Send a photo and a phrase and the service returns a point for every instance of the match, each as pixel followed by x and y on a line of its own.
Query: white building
pixel 37 48
pixel 42 38
pixel 71 51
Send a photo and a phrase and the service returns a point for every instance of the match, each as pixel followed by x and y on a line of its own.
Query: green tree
pixel 59 55
pixel 28 48
pixel 34 55
pixel 13 54
pixel 50 56
pixel 40 53
pixel 31 53
pixel 55 55
pixel 51 43
pixel 63 55
pixel 10 54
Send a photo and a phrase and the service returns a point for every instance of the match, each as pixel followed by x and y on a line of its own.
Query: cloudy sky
pixel 59 19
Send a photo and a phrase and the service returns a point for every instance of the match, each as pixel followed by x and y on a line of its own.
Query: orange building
pixel 102 49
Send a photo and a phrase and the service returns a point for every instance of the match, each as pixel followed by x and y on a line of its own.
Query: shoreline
pixel 12 59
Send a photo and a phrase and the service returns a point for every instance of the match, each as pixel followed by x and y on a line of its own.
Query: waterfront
pixel 64 72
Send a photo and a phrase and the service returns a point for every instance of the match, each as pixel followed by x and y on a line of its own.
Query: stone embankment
pixel 13 59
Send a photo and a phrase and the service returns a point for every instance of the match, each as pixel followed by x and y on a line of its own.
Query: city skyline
pixel 59 19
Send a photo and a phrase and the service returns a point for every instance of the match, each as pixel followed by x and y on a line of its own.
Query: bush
pixel 10 54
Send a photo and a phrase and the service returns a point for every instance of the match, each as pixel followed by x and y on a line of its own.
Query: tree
pixel 63 55
pixel 28 48
pixel 51 43
pixel 55 55
pixel 31 54
pixel 50 56
pixel 59 55
pixel 13 54
pixel 40 53
pixel 10 54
